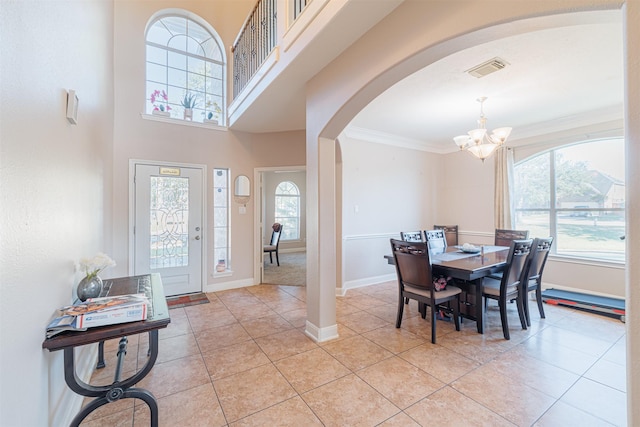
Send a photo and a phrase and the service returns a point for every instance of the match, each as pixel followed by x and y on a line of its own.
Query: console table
pixel 157 318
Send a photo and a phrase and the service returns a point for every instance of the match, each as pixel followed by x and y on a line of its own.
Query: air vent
pixel 491 66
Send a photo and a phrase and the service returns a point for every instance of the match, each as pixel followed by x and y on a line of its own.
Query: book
pixel 99 312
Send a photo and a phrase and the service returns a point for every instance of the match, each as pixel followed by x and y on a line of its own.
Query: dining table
pixel 468 270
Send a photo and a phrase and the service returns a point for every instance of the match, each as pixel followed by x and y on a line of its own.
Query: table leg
pixel 116 391
pixel 101 363
pixel 479 306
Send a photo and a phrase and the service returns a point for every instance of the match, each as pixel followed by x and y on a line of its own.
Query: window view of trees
pixel 288 210
pixel 577 195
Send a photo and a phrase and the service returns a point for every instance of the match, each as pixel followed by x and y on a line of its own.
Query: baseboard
pixel 367 281
pixel 225 286
pixel 321 334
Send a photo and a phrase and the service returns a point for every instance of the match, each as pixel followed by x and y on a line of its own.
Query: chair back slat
pixel 450 233
pixel 412 264
pixel 411 236
pixel 505 237
pixel 275 235
pixel 516 263
pixel 436 240
pixel 538 257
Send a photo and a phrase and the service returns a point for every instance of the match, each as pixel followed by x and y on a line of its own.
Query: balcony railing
pixel 256 40
pixel 258 37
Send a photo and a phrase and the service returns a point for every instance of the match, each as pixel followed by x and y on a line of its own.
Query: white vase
pixel 188 113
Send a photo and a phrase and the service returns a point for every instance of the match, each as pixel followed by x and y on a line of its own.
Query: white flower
pixel 93 266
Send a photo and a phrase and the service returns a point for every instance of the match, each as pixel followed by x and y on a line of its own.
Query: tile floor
pixel 244 360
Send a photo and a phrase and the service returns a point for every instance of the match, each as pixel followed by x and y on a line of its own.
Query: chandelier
pixel 477 141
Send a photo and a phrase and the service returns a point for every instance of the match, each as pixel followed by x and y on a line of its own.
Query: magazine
pixel 98 312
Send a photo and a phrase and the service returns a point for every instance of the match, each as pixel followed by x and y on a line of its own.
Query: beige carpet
pixel 292 270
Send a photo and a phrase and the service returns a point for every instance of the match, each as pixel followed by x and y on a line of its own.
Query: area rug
pixel 292 270
pixel 187 300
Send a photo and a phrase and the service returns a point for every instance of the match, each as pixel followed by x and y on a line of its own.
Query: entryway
pixel 281 197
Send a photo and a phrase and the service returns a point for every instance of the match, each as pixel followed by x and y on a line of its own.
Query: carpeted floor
pixel 292 270
pixel 187 300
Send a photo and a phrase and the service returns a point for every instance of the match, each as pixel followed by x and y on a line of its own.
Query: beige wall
pixel 55 192
pixel 138 138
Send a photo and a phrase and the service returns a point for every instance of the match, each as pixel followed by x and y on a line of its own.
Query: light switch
pixel 243 210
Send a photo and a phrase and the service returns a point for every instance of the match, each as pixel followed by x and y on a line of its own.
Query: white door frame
pixel 258 225
pixel 132 205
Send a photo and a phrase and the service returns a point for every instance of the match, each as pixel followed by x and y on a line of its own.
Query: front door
pixel 168 225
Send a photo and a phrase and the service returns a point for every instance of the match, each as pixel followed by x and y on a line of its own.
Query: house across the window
pixel 576 194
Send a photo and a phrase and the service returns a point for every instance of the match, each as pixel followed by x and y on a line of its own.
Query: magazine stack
pixel 99 312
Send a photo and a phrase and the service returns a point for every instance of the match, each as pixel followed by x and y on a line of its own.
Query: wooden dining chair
pixel 450 233
pixel 274 243
pixel 415 281
pixel 535 266
pixel 411 236
pixel 505 237
pixel 436 240
pixel 509 288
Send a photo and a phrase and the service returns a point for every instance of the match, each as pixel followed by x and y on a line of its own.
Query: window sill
pixel 155 118
pixel 226 273
pixel 587 261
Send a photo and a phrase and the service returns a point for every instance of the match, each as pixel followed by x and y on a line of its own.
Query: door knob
pixel 197 237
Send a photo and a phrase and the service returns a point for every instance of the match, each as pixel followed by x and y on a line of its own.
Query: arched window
pixel 575 193
pixel 185 67
pixel 288 210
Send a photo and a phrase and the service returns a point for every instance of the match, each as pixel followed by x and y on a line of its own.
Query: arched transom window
pixel 185 68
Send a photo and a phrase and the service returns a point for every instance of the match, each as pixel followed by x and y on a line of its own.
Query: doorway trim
pixel 205 220
pixel 258 174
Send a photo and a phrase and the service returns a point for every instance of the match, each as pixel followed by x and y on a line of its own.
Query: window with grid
pixel 576 194
pixel 221 220
pixel 185 67
pixel 288 210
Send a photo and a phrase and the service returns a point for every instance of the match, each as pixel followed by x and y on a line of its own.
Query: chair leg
pixel 456 313
pixel 277 259
pixel 521 311
pixel 539 300
pixel 400 311
pixel 406 300
pixel 271 257
pixel 433 323
pixel 422 308
pixel 503 318
pixel 525 304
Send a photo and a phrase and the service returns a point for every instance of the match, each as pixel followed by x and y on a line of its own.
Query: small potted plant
pixel 214 117
pixel 160 102
pixel 189 102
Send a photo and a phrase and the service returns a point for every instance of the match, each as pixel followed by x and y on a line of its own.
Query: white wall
pixel 55 187
pixel 385 190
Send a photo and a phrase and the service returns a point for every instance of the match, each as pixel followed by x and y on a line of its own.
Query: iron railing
pixel 254 43
pixel 257 39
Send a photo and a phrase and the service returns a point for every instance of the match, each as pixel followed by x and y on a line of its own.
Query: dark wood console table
pixel 157 318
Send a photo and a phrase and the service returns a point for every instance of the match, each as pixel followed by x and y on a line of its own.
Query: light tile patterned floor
pixel 244 360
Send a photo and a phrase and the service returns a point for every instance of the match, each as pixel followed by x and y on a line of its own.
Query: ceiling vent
pixel 488 67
